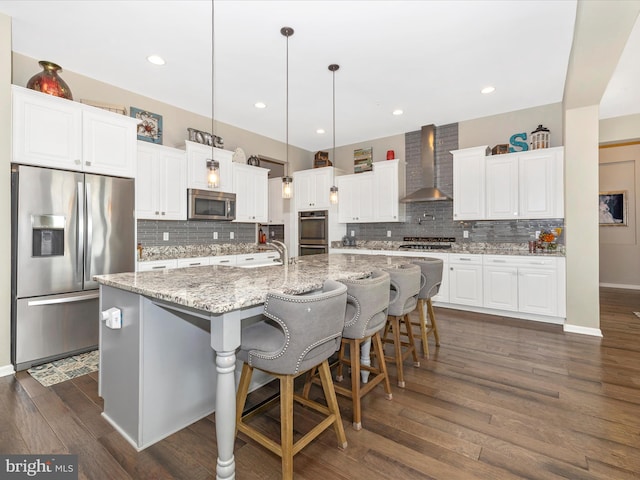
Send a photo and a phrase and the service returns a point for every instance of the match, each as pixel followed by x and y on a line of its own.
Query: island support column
pixel 225 339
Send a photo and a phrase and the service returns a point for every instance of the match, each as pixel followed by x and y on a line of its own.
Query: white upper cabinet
pixel 250 184
pixel 501 187
pixel 54 132
pixel 197 172
pixel 521 185
pixel 355 202
pixel 541 183
pixel 276 202
pixel 389 186
pixel 161 183
pixel 469 183
pixel 311 188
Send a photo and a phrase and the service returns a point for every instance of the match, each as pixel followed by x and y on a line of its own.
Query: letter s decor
pixel 515 141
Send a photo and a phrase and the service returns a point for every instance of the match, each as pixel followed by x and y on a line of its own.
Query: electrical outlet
pixel 215 235
pixel 232 235
pixel 537 233
pixel 165 236
pixel 353 233
pixel 388 233
pixel 465 234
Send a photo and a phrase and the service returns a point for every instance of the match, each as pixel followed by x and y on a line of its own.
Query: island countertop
pixel 219 289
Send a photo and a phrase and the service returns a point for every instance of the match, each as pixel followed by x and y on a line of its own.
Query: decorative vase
pixel 48 81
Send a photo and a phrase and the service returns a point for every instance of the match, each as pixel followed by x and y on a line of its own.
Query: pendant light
pixel 333 191
pixel 287 181
pixel 213 166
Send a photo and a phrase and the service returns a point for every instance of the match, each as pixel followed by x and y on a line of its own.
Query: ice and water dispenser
pixel 48 235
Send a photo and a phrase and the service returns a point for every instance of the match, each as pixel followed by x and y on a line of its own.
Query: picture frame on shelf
pixel 150 125
pixel 363 160
pixel 613 209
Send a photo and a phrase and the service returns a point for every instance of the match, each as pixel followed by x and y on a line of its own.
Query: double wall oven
pixel 313 232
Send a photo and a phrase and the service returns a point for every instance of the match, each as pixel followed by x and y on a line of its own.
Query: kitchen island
pixel 173 361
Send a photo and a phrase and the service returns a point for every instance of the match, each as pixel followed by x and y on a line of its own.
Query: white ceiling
pixel 428 58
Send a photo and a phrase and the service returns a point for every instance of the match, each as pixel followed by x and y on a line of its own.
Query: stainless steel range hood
pixel 428 192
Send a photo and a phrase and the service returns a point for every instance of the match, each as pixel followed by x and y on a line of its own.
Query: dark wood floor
pixel 500 399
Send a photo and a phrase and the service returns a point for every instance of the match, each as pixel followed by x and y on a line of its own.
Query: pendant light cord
pixel 287 32
pixel 213 82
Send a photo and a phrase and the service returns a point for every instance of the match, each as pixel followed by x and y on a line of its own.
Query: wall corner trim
pixel 594 332
pixel 6 370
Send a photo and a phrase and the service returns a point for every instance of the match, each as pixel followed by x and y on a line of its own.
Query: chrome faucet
pixel 281 248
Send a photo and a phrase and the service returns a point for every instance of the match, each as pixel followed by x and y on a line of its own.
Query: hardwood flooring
pixel 501 399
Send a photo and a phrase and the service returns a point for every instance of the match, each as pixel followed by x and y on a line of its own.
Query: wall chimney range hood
pixel 428 192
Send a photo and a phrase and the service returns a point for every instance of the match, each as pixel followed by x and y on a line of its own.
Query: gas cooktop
pixel 427 243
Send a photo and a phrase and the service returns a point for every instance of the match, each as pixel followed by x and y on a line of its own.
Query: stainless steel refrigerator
pixel 66 227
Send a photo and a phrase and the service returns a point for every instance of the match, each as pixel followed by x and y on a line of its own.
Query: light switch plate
pixel 232 235
pixel 388 233
pixel 215 235
pixel 465 234
pixel 165 236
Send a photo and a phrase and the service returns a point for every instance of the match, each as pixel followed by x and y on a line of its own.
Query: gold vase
pixel 48 81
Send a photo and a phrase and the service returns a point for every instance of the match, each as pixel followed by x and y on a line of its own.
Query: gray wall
pixel 435 219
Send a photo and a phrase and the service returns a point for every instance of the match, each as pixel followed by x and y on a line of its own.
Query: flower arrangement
pixel 547 238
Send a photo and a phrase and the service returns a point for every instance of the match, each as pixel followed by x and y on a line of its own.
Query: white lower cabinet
pixel 223 260
pixel 465 279
pixel 525 284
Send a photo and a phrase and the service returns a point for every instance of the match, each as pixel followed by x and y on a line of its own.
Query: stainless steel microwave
pixel 208 205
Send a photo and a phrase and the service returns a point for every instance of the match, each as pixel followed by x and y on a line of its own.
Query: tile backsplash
pixel 151 232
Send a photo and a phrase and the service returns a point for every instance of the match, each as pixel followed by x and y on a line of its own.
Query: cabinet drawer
pixel 520 260
pixel 222 260
pixel 157 265
pixel 469 259
pixel 193 262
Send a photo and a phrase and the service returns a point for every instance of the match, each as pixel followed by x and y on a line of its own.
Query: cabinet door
pixel 250 187
pixel 355 204
pixel 388 185
pixel 465 284
pixel 108 143
pixel 173 185
pixel 501 187
pixel 500 288
pixel 47 131
pixel 538 291
pixel 147 184
pixel 469 183
pixel 311 188
pixel 541 183
pixel 276 202
pixel 197 156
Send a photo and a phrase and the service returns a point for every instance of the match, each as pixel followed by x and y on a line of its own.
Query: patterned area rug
pixel 66 368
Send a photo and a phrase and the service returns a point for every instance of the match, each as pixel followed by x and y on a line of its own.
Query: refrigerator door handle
pixel 53 301
pixel 87 257
pixel 79 229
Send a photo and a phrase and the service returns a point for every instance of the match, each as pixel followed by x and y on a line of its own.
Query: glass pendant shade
pixel 333 195
pixel 213 173
pixel 287 187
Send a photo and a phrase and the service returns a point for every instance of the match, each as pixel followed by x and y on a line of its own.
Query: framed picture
pixel 362 160
pixel 613 209
pixel 150 126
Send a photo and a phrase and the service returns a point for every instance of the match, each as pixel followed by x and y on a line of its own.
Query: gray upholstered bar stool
pixel 298 332
pixel 432 278
pixel 366 316
pixel 403 298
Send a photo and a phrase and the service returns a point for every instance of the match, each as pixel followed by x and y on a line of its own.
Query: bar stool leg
pixel 382 364
pixel 365 359
pixel 412 343
pixel 332 403
pixel 397 345
pixel 434 325
pixel 354 346
pixel 423 327
pixel 286 425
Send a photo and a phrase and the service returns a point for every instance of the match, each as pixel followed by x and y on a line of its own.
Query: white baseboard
pixel 594 332
pixel 6 370
pixel 620 285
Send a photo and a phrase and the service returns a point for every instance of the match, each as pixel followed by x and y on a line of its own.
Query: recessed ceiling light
pixel 320 131
pixel 488 89
pixel 398 112
pixel 260 105
pixel 156 59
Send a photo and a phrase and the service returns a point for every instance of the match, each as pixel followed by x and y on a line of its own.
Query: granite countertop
pixel 462 247
pixel 220 289
pixel 193 251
